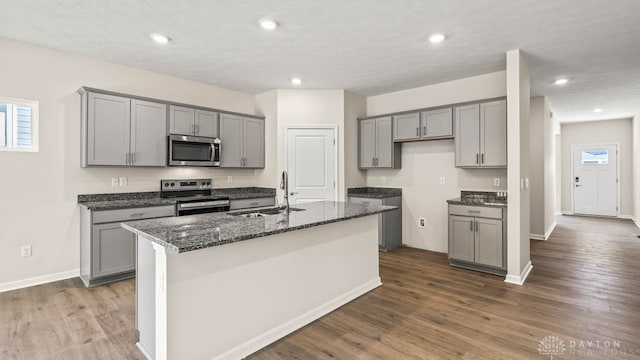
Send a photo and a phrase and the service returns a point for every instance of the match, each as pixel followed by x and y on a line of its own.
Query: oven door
pixel 202 207
pixel 193 151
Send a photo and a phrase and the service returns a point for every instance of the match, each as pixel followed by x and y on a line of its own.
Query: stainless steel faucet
pixel 284 185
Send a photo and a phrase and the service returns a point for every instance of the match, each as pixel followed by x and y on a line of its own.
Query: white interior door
pixel 311 164
pixel 595 179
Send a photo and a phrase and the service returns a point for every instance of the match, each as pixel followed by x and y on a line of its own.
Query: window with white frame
pixel 18 124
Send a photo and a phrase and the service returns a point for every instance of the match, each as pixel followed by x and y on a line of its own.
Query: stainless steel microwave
pixel 194 151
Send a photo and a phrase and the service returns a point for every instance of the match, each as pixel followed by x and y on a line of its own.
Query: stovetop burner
pixel 193 196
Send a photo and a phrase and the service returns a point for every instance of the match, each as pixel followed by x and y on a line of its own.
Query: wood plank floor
pixel 584 288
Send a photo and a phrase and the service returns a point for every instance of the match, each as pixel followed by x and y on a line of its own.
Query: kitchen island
pixel 220 286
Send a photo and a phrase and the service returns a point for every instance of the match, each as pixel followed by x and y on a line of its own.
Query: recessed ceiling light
pixel 561 81
pixel 160 39
pixel 436 38
pixel 597 110
pixel 268 24
pixel 296 81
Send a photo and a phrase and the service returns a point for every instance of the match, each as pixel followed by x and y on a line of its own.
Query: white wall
pixel 600 132
pixel 423 163
pixel 636 168
pixel 355 106
pixel 542 158
pixel 518 213
pixel 38 190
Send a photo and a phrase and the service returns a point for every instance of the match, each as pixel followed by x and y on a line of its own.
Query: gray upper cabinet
pixel 189 121
pixel 425 125
pixel 242 141
pixel 437 124
pixel 106 129
pixel 493 133
pixel 148 134
pixel 377 149
pixel 118 131
pixel 481 135
pixel 406 127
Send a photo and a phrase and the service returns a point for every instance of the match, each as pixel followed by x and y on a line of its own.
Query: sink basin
pixel 264 212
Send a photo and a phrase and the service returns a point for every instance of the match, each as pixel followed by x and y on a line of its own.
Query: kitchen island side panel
pixel 226 302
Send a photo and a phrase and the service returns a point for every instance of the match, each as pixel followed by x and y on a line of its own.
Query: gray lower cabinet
pixel 107 251
pixel 189 121
pixel 425 125
pixel 242 142
pixel 481 134
pixel 376 146
pixel 119 131
pixel 477 238
pixel 389 223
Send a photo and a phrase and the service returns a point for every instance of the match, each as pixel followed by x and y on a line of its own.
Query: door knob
pixel 292 193
pixel 578 185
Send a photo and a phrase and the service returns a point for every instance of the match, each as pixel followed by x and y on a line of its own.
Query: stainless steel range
pixel 193 196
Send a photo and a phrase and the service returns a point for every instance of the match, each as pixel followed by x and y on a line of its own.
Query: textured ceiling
pixel 366 46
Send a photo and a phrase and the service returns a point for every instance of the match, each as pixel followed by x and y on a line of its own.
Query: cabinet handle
pixel 473 211
pixel 418 131
pixel 471 223
pixel 254 204
pixel 424 129
pixel 482 158
pixel 477 158
pixel 476 225
pixel 197 129
pixel 137 214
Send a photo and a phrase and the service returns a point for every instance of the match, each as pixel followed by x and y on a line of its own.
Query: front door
pixel 311 164
pixel 595 179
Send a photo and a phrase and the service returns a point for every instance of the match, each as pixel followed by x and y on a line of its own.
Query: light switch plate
pixel 496 181
pixel 442 180
pixel 123 181
pixel 526 183
pixel 229 178
pixel 114 181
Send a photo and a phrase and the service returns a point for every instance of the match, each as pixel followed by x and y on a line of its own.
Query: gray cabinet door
pixel 181 120
pixel 253 143
pixel 148 133
pixel 206 123
pixel 437 123
pixel 488 242
pixel 384 143
pixel 461 238
pixel 467 139
pixel 406 127
pixel 493 133
pixel 367 143
pixel 113 250
pixel 108 122
pixel 231 147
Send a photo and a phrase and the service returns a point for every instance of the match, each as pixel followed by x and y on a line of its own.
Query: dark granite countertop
pixel 116 201
pixel 374 192
pixel 481 198
pixel 245 192
pixel 188 233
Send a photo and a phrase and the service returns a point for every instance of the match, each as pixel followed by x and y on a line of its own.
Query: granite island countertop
pixel 115 201
pixel 188 233
pixel 374 192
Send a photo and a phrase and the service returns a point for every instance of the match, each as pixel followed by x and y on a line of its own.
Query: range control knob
pixel 173 184
pixel 208 182
pixel 166 184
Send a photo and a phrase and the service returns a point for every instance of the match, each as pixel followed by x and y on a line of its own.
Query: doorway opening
pixel 595 179
pixel 311 160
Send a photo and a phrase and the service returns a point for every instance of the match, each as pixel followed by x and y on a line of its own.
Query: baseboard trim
pixel 630 217
pixel 546 235
pixel 519 280
pixel 566 212
pixel 260 341
pixel 143 351
pixel 38 280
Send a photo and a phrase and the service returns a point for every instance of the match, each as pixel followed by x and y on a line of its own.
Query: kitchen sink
pixel 264 212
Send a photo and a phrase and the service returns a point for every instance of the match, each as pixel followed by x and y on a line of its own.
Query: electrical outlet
pixel 229 178
pixel 496 181
pixel 442 180
pixel 25 250
pixel 383 179
pixel 422 223
pixel 123 181
pixel 114 181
